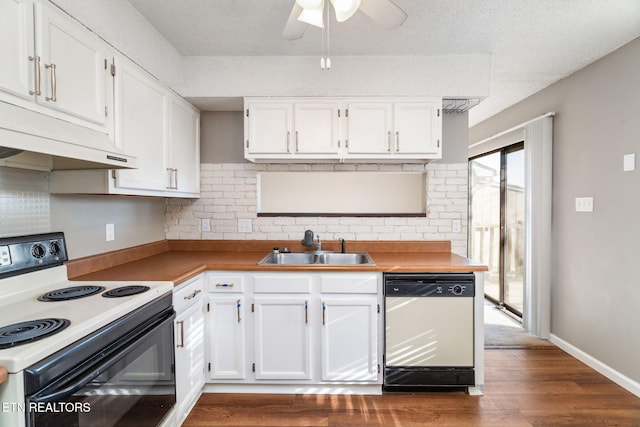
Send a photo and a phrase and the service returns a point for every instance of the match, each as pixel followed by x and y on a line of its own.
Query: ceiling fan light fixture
pixel 311 4
pixel 345 8
pixel 313 16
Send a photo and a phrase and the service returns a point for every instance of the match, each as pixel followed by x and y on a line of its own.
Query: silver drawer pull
pixel 224 285
pixel 181 323
pixel 193 295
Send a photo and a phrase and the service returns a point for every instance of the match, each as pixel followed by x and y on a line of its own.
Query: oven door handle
pixel 83 380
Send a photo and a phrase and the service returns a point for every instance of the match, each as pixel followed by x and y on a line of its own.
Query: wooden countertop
pixel 179 260
pixel 4 374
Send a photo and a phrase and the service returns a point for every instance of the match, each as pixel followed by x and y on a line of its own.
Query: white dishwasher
pixel 428 330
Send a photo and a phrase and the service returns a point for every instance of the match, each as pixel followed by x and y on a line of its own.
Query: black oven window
pixel 136 388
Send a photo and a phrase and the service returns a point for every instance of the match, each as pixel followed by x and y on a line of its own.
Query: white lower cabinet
pixel 282 338
pixel 226 337
pixel 278 329
pixel 350 338
pixel 189 344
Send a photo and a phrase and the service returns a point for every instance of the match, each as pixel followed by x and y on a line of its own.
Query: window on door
pixel 496 231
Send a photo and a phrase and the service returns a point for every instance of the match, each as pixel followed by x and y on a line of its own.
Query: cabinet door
pixel 316 127
pixel 369 128
pixel 417 128
pixel 349 339
pixel 185 147
pixel 282 338
pixel 142 130
pixel 76 73
pixel 226 335
pixel 16 46
pixel 268 128
pixel 189 356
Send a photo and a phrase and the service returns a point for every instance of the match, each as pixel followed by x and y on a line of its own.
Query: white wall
pixel 595 287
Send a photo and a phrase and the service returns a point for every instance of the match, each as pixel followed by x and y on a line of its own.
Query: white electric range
pixel 106 350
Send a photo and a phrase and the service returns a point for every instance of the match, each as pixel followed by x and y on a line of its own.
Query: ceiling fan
pixel 384 12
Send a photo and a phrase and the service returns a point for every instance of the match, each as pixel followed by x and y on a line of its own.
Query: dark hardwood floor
pixel 523 387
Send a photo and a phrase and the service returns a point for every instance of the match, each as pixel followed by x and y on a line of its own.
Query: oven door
pixel 133 385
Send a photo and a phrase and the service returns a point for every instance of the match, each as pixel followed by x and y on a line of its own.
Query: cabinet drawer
pixel 225 283
pixel 349 284
pixel 188 293
pixel 289 284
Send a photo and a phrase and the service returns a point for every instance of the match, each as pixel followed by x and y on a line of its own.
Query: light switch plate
pixel 205 224
pixel 629 162
pixel 584 204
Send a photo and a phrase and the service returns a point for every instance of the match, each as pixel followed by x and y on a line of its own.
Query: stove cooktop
pixel 85 314
pixel 34 289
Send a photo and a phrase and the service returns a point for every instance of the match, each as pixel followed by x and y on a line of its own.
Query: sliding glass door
pixel 496 232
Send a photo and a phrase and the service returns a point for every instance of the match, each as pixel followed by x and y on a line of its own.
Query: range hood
pixel 68 146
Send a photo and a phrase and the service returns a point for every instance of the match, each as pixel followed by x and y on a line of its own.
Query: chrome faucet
pixel 308 241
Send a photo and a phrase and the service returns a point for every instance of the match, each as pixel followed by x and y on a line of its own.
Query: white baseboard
pixel 607 371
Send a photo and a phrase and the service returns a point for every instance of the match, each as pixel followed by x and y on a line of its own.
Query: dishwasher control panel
pixel 429 285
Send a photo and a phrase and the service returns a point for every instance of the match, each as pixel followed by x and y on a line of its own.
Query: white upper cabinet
pixel 288 130
pixel 75 67
pixel 268 128
pixel 17 50
pixel 345 129
pixel 316 127
pixel 417 128
pixel 143 130
pixel 158 127
pixel 54 66
pixel 184 147
pixel 370 127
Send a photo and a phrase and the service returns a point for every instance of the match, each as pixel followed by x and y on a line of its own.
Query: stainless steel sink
pixel 318 258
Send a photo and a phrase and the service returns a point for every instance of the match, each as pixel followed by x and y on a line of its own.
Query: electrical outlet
pixel 584 204
pixel 110 232
pixel 205 224
pixel 456 225
pixel 245 225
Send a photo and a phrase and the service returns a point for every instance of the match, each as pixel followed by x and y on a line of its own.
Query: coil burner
pixel 30 330
pixel 125 291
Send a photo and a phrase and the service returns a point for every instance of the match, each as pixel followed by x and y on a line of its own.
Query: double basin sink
pixel 319 258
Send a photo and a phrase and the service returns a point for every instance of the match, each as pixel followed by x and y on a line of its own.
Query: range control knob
pixel 54 248
pixel 38 250
pixel 456 290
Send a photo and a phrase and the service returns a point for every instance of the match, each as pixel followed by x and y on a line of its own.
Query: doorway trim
pixel 538 147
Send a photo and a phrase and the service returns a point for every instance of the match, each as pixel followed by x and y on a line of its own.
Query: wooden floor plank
pixel 524 387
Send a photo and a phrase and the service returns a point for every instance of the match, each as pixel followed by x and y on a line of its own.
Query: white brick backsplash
pixel 229 192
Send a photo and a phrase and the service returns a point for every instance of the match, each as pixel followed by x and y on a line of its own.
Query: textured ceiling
pixel 532 43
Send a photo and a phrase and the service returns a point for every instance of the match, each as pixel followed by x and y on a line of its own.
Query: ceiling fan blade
pixel 384 12
pixel 294 29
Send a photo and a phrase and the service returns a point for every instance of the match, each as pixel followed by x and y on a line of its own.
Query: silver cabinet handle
pixel 306 312
pixel 389 141
pixel 238 310
pixel 324 310
pixel 224 285
pixel 296 141
pixel 181 323
pixel 288 141
pixel 36 60
pixel 54 90
pixel 397 141
pixel 173 179
pixel 193 295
